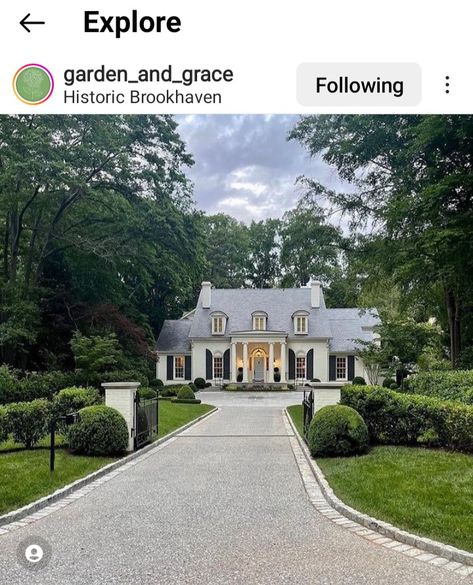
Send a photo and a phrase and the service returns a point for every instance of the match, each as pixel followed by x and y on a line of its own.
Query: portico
pixel 258 357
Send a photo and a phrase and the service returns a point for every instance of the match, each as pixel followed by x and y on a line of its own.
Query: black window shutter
pixel 310 364
pixel 332 368
pixel 188 367
pixel 208 365
pixel 292 365
pixel 351 367
pixel 226 365
pixel 170 373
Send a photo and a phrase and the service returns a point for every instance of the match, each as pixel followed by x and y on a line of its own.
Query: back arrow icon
pixel 24 22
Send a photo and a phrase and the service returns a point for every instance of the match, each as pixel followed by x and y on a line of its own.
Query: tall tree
pixel 227 250
pixel 310 246
pixel 263 267
pixel 413 184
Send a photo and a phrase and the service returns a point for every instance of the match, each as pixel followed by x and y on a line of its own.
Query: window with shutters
pixel 218 366
pixel 179 362
pixel 341 368
pixel 300 368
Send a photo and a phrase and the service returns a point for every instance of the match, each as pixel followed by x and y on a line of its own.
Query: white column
pixel 283 362
pixel 271 363
pixel 121 397
pixel 245 362
pixel 233 374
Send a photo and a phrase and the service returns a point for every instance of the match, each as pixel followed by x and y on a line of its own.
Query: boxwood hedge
pixel 101 430
pixel 28 421
pixel 450 385
pixel 408 419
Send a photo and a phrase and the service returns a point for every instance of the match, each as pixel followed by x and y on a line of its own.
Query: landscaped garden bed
pixel 424 491
pixel 25 475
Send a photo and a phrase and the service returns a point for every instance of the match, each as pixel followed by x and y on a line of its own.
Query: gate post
pixel 121 396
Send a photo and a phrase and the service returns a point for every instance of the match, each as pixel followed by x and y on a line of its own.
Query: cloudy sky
pixel 244 166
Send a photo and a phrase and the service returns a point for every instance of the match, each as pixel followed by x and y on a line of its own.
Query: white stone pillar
pixel 283 362
pixel 233 370
pixel 121 397
pixel 271 363
pixel 245 362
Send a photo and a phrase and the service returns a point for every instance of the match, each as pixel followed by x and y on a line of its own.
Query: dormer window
pixel 259 321
pixel 301 323
pixel 219 321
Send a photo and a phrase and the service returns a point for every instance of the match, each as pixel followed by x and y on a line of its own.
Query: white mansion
pixel 263 336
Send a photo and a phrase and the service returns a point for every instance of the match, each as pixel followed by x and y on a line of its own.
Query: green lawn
pixel 425 491
pixel 25 475
pixel 297 415
pixel 172 416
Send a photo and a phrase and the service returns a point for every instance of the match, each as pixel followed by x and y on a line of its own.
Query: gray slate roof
pixel 340 326
pixel 174 336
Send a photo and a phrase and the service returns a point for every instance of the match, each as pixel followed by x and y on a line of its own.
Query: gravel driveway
pixel 222 504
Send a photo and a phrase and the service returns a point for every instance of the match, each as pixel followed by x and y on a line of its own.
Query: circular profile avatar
pixel 33 84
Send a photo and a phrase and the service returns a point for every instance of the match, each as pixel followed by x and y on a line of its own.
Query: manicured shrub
pixel 73 399
pixel 101 430
pixel 171 390
pixel 359 381
pixel 156 383
pixel 187 400
pixel 388 382
pixel 208 384
pixel 146 393
pixel 185 393
pixel 231 387
pixel 396 418
pixel 337 430
pixel 315 380
pixel 200 383
pixel 4 424
pixel 193 387
pixel 28 421
pixel 446 385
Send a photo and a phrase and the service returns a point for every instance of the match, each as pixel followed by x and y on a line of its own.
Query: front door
pixel 258 369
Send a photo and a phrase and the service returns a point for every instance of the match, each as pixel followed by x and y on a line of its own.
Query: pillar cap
pixel 118 385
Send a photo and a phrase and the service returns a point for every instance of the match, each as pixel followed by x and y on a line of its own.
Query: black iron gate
pixel 308 405
pixel 146 420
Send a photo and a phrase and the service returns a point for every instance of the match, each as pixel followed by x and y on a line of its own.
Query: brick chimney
pixel 206 294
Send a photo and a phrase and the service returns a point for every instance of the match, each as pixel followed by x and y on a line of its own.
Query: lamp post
pixel 69 419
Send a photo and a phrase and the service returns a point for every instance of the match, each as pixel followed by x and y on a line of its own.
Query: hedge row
pixel 14 388
pixel 408 419
pixel 29 422
pixel 450 385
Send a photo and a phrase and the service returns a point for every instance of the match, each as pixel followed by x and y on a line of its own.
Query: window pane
pixel 300 367
pixel 218 367
pixel 341 368
pixel 179 367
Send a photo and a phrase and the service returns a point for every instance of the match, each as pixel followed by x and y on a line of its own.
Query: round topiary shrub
pixel 193 387
pixel 156 383
pixel 101 430
pixel 185 393
pixel 28 421
pixel 4 424
pixel 315 380
pixel 359 381
pixel 146 393
pixel 200 383
pixel 388 382
pixel 73 399
pixel 337 430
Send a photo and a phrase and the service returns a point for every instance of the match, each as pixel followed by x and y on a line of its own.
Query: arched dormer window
pixel 219 323
pixel 260 319
pixel 301 322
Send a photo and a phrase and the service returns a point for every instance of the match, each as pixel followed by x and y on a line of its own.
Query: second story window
pixel 259 323
pixel 300 324
pixel 218 325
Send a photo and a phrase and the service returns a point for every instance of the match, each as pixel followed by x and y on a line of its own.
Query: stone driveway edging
pixel 16 515
pixel 383 528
